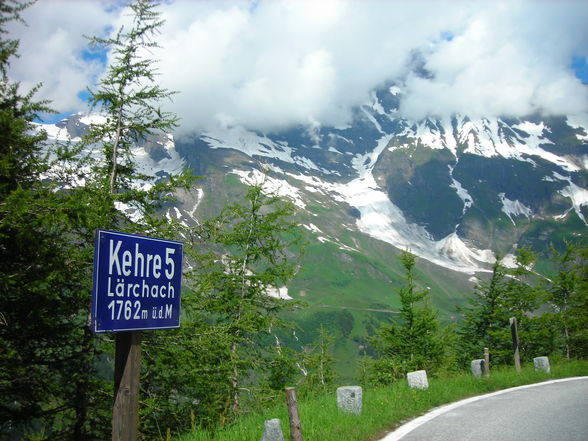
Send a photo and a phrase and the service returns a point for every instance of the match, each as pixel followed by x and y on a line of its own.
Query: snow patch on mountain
pixel 59 132
pixel 456 251
pixel 323 239
pixel 533 129
pixel 580 123
pixel 491 137
pixel 577 195
pixel 271 185
pixel 278 293
pixel 132 213
pixel 450 141
pixel 364 164
pixel 461 191
pixel 199 197
pixel 376 105
pixel 532 146
pixel 54 132
pixel 429 134
pixel 394 90
pixel 92 118
pixel 313 228
pixel 487 137
pixel 514 208
pixel 383 220
pixel 380 218
pixel 252 144
pixel 371 118
pixel 171 163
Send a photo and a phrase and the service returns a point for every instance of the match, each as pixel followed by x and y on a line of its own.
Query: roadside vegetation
pixel 384 407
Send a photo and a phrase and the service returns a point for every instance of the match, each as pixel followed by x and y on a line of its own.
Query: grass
pixel 384 408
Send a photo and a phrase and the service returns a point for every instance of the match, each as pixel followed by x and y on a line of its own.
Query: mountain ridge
pixel 362 173
pixel 368 191
pixel 455 190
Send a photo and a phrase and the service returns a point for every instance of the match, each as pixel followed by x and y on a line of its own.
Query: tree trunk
pixel 235 380
pixel 117 136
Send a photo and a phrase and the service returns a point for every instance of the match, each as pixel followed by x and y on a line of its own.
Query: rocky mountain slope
pixel 454 191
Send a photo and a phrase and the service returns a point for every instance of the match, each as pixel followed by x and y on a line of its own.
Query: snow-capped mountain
pixel 453 190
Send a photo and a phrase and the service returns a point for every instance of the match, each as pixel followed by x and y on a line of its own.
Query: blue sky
pixel 277 63
pixel 580 67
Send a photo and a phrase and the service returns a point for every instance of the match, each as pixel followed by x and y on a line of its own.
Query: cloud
pixel 52 48
pixel 286 63
pixel 273 64
pixel 509 59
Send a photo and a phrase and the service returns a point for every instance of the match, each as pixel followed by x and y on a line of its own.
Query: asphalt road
pixel 551 411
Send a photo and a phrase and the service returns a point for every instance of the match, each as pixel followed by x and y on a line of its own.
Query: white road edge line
pixel 403 430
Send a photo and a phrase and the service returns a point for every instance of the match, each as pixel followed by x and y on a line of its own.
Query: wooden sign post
pixel 136 287
pixel 515 342
pixel 127 366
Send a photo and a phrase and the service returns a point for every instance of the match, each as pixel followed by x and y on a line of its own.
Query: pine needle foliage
pixel 43 279
pixel 415 341
pixel 510 292
pixel 55 379
pixel 130 100
pixel 237 259
pixel 319 362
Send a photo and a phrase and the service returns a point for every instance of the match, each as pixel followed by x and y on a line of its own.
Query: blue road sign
pixel 137 283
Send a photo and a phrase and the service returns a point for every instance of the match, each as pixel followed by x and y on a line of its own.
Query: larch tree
pixel 319 362
pixel 578 306
pixel 415 340
pixel 129 102
pixel 53 370
pixel 43 283
pixel 561 289
pixel 238 258
pixel 508 293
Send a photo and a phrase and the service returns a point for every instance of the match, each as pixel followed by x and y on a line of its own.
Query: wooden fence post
pixel 515 342
pixel 292 403
pixel 486 363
